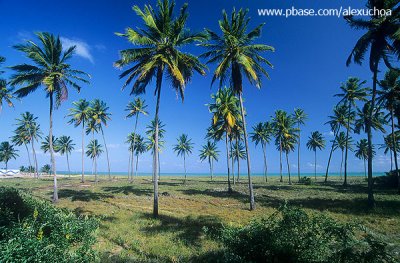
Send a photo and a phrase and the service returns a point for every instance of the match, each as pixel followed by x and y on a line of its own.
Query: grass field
pixel 128 233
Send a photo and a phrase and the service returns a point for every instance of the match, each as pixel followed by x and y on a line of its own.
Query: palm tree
pixel 342 142
pixel 45 147
pixel 225 116
pixel 5 93
pixel 288 145
pixel 50 70
pixel 352 91
pixel 183 147
pixel 100 115
pixel 157 52
pixel 46 169
pixel 64 145
pixel 210 152
pixel 382 38
pixel 130 141
pixel 361 152
pixel 261 134
pixel 151 140
pixel 336 121
pixel 134 109
pixel 299 117
pixel 140 148
pixel 389 98
pixel 237 155
pixel 7 152
pixel 28 131
pixel 284 128
pixel 79 115
pixel 315 141
pixel 94 150
pixel 387 146
pixel 236 55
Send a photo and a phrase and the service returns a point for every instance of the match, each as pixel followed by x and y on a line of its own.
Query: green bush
pixel 305 180
pixel 291 235
pixel 32 230
pixel 389 180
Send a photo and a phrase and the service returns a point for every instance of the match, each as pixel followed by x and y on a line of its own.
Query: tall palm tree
pixel 140 148
pixel 389 98
pixel 315 141
pixel 299 117
pixel 151 140
pixel 51 70
pixel 7 152
pixel 45 146
pixel 381 37
pixel 6 94
pixel 157 53
pixel 261 134
pixel 20 138
pixel 238 154
pixel 284 128
pixel 28 131
pixel 79 115
pixel 130 141
pixel 341 142
pixel 387 146
pixel 183 148
pixel 64 145
pixel 210 152
pixel 100 115
pixel 94 150
pixel 352 91
pixel 236 54
pixel 336 122
pixel 288 145
pixel 361 152
pixel 225 116
pixel 134 109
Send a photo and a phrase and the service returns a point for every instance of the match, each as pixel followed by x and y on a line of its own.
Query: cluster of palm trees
pixel 157 53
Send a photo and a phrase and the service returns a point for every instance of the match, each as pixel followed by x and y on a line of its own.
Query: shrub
pixel 389 180
pixel 291 235
pixel 35 231
pixel 305 180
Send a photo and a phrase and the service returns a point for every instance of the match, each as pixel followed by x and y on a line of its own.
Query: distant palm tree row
pixel 157 54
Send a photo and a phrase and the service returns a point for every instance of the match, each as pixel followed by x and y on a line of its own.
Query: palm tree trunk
pixel 341 166
pixel 288 167
pixel 238 162
pixel 34 155
pixel 184 167
pixel 265 161
pixel 330 155
pixel 137 162
pixel 29 157
pixel 315 164
pixel 95 169
pixel 6 166
pixel 232 161
pixel 251 192
pixel 298 154
pixel 365 170
pixel 83 152
pixel 53 161
pixel 391 159
pixel 209 162
pixel 129 164
pixel 69 170
pixel 347 146
pixel 155 152
pixel 227 162
pixel 132 160
pixel 108 158
pixel 371 201
pixel 395 150
pixel 280 160
pixel 212 169
pixel 134 143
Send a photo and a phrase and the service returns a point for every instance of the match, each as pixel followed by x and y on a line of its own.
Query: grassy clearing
pixel 128 232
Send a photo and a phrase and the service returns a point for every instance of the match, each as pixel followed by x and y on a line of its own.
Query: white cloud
pixel 312 165
pixel 329 133
pixel 113 145
pixel 82 48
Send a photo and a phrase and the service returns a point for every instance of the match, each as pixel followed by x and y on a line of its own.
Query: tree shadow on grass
pixel 218 194
pixel 188 230
pixel 82 195
pixel 128 189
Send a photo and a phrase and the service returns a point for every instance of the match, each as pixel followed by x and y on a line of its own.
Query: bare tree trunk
pixel 155 152
pixel 251 192
pixel 288 167
pixel 53 161
pixel 108 158
pixel 347 146
pixel 83 152
pixel 227 162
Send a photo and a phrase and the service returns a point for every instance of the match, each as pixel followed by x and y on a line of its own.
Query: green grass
pixel 128 233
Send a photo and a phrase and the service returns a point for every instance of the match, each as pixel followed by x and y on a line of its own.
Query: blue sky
pixel 309 66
